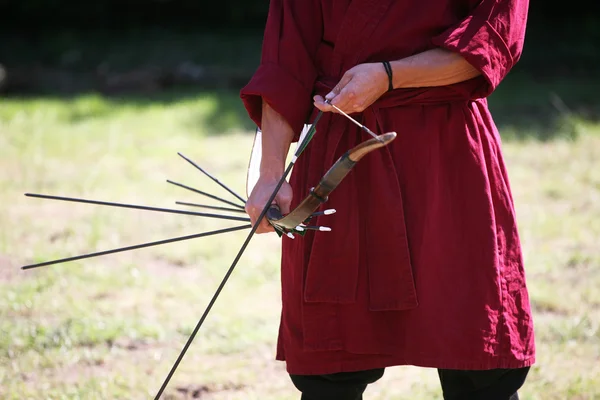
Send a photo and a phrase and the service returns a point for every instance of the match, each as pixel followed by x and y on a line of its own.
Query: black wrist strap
pixel 388 69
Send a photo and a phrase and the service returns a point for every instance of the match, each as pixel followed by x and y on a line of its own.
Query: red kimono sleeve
pixel 287 71
pixel 490 38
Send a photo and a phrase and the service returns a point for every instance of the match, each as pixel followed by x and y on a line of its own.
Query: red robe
pixel 424 265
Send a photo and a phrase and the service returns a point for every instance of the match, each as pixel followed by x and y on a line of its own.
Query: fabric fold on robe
pixel 332 270
pixel 489 38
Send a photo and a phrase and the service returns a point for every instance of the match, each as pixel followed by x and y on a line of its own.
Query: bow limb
pixel 328 183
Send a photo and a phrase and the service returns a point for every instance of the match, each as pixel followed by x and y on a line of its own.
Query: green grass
pixel 111 327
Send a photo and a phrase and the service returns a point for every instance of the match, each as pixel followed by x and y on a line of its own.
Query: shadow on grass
pixel 524 108
pixel 219 112
pixel 541 99
pixel 226 115
pixel 542 123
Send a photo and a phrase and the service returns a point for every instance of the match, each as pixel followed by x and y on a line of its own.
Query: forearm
pixel 436 67
pixel 277 136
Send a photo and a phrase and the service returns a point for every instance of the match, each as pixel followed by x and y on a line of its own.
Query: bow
pixel 292 222
pixel 318 195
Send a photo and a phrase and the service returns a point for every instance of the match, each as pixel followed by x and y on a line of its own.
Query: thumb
pixel 338 88
pixel 284 201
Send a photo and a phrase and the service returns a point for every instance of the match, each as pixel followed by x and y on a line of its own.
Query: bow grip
pixel 274 213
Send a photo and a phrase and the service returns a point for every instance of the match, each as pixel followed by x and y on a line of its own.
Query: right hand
pixel 260 195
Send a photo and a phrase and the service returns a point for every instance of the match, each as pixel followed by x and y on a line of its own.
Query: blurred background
pixel 97 98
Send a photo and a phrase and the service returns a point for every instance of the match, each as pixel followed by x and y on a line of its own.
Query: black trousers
pixel 496 384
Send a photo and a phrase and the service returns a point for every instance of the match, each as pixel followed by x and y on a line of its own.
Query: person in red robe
pixel 423 265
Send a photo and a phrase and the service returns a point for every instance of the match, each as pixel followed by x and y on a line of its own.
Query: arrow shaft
pixel 236 210
pixel 213 178
pixel 137 246
pixel 211 196
pixel 138 207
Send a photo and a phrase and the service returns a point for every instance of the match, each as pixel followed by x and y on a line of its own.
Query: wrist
pixel 271 168
pixel 401 73
pixel 389 74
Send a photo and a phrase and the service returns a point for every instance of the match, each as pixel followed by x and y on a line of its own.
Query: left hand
pixel 360 87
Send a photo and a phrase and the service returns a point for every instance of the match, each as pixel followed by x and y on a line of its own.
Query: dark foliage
pixel 24 15
pixel 27 15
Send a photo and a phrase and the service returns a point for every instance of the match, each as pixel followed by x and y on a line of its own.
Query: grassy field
pixel 111 327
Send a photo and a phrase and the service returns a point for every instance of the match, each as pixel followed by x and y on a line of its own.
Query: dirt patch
pixel 8 269
pixel 133 344
pixel 202 391
pixel 169 267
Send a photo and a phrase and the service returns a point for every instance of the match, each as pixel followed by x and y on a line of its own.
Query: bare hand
pixel 360 87
pixel 260 195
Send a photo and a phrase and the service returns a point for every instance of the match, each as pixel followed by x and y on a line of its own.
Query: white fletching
pixel 256 155
pixel 254 164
